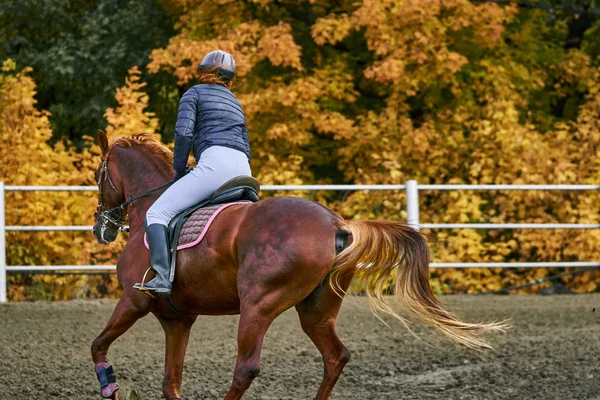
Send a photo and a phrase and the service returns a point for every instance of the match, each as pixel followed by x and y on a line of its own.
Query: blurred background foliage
pixel 80 51
pixel 369 92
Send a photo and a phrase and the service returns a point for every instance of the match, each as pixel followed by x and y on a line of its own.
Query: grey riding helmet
pixel 219 61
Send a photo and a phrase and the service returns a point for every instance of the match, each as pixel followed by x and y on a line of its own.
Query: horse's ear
pixel 103 142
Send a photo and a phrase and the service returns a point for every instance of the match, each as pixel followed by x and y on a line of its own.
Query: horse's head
pixel 110 215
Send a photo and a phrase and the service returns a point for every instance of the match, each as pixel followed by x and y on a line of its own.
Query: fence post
pixel 412 204
pixel 3 281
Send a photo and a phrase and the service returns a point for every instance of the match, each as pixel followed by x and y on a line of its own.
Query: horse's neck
pixel 141 172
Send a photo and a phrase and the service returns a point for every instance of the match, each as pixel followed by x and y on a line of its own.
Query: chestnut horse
pixel 257 260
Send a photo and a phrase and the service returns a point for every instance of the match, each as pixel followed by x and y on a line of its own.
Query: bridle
pixel 116 216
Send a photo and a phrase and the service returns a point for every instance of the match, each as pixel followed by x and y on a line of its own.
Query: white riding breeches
pixel 217 165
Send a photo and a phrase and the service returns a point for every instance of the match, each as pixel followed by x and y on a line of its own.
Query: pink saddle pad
pixel 195 228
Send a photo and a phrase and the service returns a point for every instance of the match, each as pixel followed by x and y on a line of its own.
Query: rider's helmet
pixel 220 62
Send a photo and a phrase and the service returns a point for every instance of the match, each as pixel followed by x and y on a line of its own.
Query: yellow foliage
pixel 28 159
pixel 441 91
pixel 130 117
pixel 277 44
pixel 331 29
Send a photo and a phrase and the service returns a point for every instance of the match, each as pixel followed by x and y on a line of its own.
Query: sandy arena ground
pixel 552 352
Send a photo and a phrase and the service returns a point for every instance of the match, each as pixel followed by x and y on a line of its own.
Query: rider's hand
pixel 178 175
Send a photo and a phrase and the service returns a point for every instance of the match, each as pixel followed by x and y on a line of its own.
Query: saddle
pixel 238 189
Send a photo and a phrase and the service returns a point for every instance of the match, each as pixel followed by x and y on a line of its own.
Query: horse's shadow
pixel 132 395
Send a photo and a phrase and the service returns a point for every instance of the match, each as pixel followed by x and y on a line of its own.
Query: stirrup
pixel 143 289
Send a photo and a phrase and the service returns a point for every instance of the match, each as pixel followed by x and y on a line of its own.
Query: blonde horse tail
pixel 380 247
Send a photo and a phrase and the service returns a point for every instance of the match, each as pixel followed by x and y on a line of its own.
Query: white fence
pixel 412 189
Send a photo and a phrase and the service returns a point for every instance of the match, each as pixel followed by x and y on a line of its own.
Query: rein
pixel 116 215
pixel 145 194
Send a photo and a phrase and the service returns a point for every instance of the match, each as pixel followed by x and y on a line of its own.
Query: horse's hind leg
pixel 123 317
pixel 257 313
pixel 251 332
pixel 317 316
pixel 177 332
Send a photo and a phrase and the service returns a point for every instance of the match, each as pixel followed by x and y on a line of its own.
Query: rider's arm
pixel 184 130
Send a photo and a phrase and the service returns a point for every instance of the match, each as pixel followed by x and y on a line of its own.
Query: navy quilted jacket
pixel 209 115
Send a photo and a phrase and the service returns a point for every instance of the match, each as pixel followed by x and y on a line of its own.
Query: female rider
pixel 211 122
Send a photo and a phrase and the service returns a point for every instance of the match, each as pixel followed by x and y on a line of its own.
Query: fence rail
pixel 411 188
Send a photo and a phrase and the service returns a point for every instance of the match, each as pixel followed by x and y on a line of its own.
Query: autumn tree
pixel 28 159
pixel 382 91
pixel 130 117
pixel 369 91
pixel 80 52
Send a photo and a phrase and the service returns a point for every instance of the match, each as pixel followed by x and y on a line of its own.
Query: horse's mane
pixel 145 140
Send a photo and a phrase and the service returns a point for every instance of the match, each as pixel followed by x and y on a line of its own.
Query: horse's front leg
pixel 126 313
pixel 177 333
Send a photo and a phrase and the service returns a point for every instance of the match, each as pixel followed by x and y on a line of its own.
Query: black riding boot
pixel 158 241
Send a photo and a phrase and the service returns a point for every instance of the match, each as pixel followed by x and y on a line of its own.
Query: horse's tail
pixel 380 247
